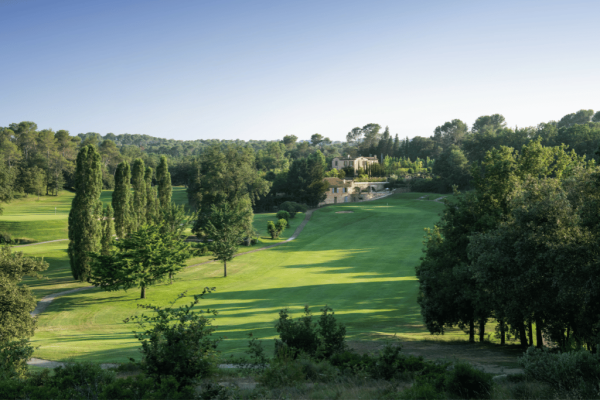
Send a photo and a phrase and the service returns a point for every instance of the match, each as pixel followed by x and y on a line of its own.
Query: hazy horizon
pixel 264 69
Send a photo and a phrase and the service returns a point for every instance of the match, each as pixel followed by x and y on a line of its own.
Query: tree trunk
pixel 472 331
pixel 143 295
pixel 225 268
pixel 502 333
pixel 523 335
pixel 538 333
pixel 481 330
pixel 170 278
pixel 530 331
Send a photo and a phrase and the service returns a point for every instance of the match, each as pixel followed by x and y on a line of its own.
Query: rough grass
pixel 361 264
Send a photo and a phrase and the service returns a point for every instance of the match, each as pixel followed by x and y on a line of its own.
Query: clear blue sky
pixel 264 69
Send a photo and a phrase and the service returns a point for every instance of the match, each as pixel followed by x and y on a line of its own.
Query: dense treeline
pixel 521 248
pixel 42 162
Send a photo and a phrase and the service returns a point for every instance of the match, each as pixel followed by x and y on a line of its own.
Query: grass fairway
pixel 360 263
pixel 47 218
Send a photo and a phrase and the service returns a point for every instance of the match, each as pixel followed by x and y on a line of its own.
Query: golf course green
pixel 361 263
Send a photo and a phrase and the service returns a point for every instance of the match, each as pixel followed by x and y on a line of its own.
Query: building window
pixel 345 190
pixel 332 190
pixel 336 163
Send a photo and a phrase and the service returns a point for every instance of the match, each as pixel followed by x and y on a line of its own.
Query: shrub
pixel 282 214
pixel 183 349
pixel 466 381
pixel 425 391
pixel 317 371
pixel 292 208
pixel 80 380
pixel 322 339
pixel 352 363
pixel 332 333
pixel 5 238
pixel 283 371
pixel 281 225
pixel 141 387
pixel 13 358
pixel 576 371
pixel 299 335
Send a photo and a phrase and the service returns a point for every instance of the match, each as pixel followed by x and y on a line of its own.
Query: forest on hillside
pixel 42 161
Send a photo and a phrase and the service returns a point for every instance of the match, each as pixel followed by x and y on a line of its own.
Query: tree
pixel 121 199
pixel 289 141
pixel 580 117
pixel 226 227
pixel 152 202
pixel 226 176
pixel 108 230
pixel 86 211
pixel 489 122
pixel 7 179
pixel 453 167
pixel 305 181
pixel 163 178
pixel 138 182
pixel 140 260
pixel 450 133
pixel 16 304
pixel 316 139
pixel 33 180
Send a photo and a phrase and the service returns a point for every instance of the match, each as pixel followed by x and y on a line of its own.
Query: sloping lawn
pixel 361 264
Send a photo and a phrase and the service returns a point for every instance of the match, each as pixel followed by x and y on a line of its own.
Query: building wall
pixel 356 163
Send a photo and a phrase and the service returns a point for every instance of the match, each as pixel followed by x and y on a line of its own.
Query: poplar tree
pixel 86 211
pixel 163 178
pixel 108 230
pixel 121 200
pixel 138 182
pixel 151 199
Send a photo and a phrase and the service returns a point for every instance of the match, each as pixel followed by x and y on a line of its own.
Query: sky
pixel 260 70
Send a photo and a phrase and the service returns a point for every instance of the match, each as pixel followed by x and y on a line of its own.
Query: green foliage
pixel 426 391
pixel 177 341
pixel 16 300
pixel 147 388
pixel 272 230
pixel 14 355
pixel 323 339
pixel 293 208
pixel 121 200
pixel 282 214
pixel 5 238
pixel 108 230
pixel 140 260
pixel 163 178
pixel 570 372
pixel 225 228
pixel 467 382
pixel 280 225
pixel 86 211
pixel 138 183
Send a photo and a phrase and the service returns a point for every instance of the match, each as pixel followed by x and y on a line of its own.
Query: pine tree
pixel 151 199
pixel 163 178
pixel 121 200
pixel 396 149
pixel 138 182
pixel 108 230
pixel 84 218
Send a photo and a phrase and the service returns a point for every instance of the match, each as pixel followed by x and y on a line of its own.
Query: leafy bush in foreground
pixel 183 349
pixel 576 371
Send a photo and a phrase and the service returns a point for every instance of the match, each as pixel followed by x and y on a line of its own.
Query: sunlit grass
pixel 361 264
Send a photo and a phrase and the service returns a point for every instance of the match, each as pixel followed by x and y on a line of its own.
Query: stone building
pixel 355 163
pixel 348 191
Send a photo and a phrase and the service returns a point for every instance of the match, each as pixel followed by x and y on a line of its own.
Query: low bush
pixel 322 339
pixel 177 341
pixel 293 208
pixel 275 229
pixel 468 382
pixel 571 372
pixel 14 355
pixel 282 214
pixel 5 238
pixel 422 392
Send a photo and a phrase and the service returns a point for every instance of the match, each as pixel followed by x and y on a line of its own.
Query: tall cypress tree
pixel 138 182
pixel 86 211
pixel 121 200
pixel 163 178
pixel 108 230
pixel 151 200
